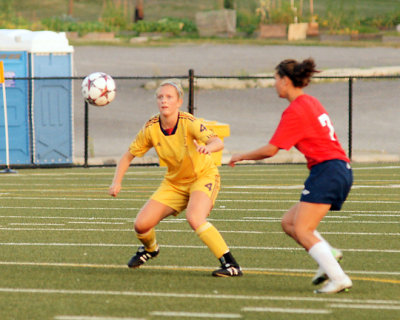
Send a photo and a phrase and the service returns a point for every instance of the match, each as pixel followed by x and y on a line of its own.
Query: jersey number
pixel 326 122
pixel 208 186
pixel 202 128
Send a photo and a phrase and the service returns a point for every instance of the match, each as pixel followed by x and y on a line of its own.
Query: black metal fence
pixel 367 109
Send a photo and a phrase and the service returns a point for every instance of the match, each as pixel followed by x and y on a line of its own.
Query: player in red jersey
pixel 305 124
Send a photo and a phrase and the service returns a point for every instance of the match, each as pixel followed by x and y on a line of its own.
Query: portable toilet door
pixel 15 66
pixel 52 108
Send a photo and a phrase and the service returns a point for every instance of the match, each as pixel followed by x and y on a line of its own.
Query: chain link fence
pixel 365 112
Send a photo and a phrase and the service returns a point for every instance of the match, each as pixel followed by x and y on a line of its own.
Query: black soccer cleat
pixel 141 257
pixel 229 267
pixel 228 270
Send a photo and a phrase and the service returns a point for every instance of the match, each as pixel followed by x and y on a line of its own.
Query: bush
pixel 174 26
pixel 68 24
pixel 8 18
pixel 382 22
pixel 229 4
pixel 247 22
pixel 113 16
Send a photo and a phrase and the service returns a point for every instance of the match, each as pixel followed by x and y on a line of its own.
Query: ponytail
pixel 299 73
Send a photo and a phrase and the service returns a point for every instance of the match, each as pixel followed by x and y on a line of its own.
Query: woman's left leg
pixel 306 220
pixel 197 211
pixel 308 216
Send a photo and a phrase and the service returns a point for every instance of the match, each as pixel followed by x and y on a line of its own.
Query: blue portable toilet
pixel 40 112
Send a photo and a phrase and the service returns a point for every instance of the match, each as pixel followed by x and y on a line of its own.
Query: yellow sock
pixel 212 239
pixel 148 239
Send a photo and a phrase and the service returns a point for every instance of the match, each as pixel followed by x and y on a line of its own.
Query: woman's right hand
pixel 114 189
pixel 235 158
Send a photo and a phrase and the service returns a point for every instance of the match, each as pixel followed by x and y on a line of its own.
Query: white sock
pixel 333 250
pixel 321 252
pixel 318 235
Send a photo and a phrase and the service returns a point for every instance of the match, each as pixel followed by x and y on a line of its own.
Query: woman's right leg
pixel 148 217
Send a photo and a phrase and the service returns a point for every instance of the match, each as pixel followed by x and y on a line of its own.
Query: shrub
pixel 113 16
pixel 69 25
pixel 172 25
pixel 247 22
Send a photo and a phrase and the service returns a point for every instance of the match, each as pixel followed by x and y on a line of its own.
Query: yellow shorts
pixel 176 196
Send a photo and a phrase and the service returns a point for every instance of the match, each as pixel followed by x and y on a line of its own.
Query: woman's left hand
pixel 201 148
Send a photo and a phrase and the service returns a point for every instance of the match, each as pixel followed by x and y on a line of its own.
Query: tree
pixel 139 13
pixel 229 4
pixel 71 8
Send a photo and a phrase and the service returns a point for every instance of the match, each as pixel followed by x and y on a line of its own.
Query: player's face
pixel 280 86
pixel 168 100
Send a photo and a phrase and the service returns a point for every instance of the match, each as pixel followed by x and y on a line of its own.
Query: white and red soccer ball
pixel 98 89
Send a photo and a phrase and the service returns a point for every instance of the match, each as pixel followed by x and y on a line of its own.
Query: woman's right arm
pixel 120 171
pixel 266 151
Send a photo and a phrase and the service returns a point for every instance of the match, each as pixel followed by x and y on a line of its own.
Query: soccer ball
pixel 98 89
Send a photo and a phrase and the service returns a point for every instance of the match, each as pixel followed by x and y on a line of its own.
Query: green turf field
pixel 64 245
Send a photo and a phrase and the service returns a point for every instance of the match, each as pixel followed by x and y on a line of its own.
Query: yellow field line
pixel 299 274
pixel 197 269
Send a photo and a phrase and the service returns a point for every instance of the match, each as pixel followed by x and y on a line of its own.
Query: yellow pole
pixel 3 84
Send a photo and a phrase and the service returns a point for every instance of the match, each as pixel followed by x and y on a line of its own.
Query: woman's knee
pixel 302 232
pixel 143 223
pixel 195 221
pixel 141 227
pixel 287 225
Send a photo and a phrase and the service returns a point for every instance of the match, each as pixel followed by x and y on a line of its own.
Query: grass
pixel 65 243
pixel 86 10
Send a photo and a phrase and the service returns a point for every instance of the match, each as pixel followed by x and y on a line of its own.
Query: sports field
pixel 65 243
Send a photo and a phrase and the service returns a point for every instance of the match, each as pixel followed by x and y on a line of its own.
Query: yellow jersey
pixel 177 150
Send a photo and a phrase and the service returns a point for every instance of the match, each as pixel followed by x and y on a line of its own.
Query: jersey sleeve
pixel 200 131
pixel 142 142
pixel 289 130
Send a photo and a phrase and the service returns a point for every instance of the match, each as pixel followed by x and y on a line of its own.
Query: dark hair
pixel 299 73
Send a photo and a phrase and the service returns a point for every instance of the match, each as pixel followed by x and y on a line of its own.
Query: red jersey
pixel 306 125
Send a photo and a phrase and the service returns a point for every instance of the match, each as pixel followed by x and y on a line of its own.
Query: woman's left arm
pixel 214 144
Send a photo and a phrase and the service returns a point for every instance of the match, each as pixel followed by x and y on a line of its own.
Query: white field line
pixel 286 310
pixel 97 222
pixel 277 221
pixel 218 201
pixel 364 306
pixel 157 170
pixel 379 234
pixel 64 244
pixel 267 187
pixel 123 266
pixel 227 177
pixel 377 168
pixel 91 188
pixel 377 213
pixel 190 231
pixel 190 295
pixel 192 315
pixel 179 220
pixel 68 208
pixel 66 317
pixel 299 187
pixel 37 224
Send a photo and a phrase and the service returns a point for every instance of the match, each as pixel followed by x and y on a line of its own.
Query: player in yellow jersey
pixel 192 181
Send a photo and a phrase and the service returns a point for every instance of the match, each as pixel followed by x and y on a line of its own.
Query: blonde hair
pixel 176 83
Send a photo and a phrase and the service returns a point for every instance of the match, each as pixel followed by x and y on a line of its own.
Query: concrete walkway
pixel 252 112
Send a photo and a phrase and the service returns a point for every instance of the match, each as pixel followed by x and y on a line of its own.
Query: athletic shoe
pixel 141 256
pixel 321 276
pixel 228 270
pixel 336 286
